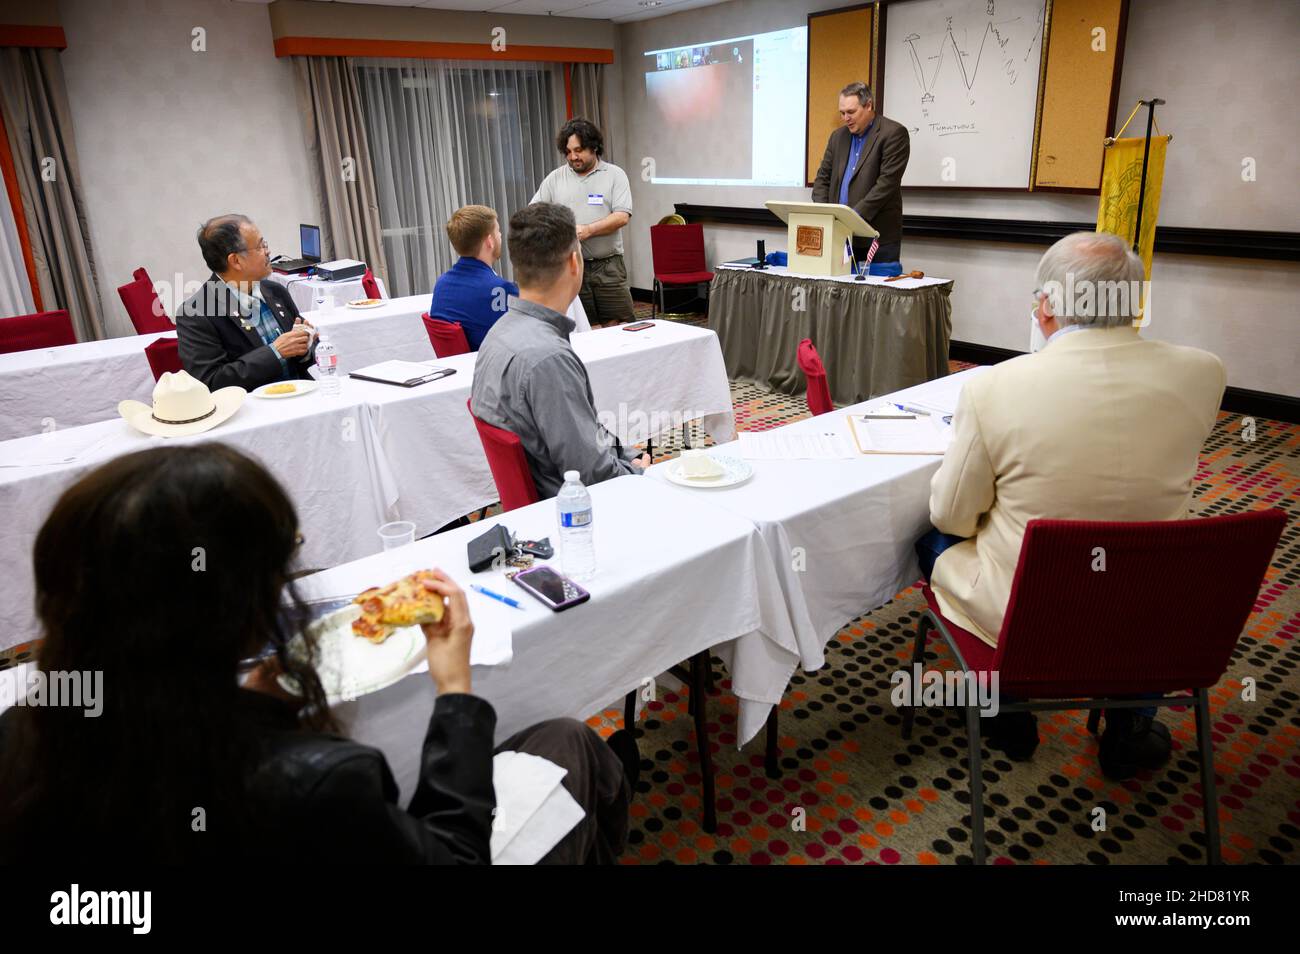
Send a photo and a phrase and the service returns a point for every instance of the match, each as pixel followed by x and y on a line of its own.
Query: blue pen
pixel 912 410
pixel 496 596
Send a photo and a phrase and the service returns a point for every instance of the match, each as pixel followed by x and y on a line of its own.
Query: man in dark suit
pixel 239 328
pixel 874 151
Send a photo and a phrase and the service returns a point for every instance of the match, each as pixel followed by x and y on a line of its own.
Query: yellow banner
pixel 1120 178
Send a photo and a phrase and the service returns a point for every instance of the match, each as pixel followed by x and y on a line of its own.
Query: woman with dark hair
pixel 162 570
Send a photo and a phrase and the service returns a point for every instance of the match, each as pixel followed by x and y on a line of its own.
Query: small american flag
pixel 871 252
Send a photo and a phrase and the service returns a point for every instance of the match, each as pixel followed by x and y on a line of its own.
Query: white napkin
pixel 534 811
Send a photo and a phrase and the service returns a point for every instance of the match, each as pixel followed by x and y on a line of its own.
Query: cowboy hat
pixel 182 406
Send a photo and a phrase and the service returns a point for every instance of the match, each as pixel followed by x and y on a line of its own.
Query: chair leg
pixel 708 676
pixel 1209 796
pixel 976 785
pixel 686 437
pixel 1094 720
pixel 771 765
pixel 629 713
pixel 698 662
pixel 918 656
pixel 654 301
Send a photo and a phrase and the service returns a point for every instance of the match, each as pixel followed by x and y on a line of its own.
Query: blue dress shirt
pixel 856 145
pixel 467 294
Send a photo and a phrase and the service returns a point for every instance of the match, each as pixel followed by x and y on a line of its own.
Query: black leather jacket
pixel 328 800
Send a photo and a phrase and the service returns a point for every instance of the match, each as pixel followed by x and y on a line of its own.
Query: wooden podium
pixel 818 231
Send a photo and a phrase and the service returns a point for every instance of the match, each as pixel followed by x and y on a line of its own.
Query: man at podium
pixel 863 169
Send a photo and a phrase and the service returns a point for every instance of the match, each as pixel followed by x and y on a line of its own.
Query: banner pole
pixel 1150 104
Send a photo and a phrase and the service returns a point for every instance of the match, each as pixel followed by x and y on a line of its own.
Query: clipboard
pixel 856 421
pixel 402 382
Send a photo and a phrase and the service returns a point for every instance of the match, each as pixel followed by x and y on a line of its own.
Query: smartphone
pixel 639 326
pixel 555 590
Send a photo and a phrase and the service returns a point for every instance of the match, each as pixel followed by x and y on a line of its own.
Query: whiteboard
pixel 962 76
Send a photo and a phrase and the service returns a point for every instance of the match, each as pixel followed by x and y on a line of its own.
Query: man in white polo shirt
pixel 598 194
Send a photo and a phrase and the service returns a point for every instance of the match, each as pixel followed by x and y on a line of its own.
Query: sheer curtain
pixel 447 133
pixel 15 288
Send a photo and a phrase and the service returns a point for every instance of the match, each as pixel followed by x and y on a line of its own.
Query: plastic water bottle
pixel 327 360
pixel 577 549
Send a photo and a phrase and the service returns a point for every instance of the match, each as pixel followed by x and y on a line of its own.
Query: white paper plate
pixel 301 387
pixel 736 471
pixel 349 666
pixel 375 304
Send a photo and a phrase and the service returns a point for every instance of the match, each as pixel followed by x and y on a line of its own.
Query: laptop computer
pixel 309 238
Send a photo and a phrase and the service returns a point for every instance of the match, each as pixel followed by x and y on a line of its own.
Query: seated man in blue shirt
pixel 471 293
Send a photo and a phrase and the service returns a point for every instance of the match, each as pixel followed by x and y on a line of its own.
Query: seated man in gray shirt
pixel 527 379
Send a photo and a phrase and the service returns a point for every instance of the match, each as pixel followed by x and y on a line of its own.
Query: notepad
pixel 899 435
pixel 404 374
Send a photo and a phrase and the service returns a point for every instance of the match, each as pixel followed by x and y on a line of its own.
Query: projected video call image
pixel 730 111
pixel 701 97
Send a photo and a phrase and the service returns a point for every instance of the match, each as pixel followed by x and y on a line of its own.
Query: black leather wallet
pixel 492 546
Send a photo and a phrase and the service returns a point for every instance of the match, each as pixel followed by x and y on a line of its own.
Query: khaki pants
pixel 605 294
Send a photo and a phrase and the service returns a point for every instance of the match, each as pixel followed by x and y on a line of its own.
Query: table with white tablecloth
pixel 82 383
pixel 47 388
pixel 674 577
pixel 307 291
pixel 323 451
pixel 373 453
pixel 656 378
pixel 391 331
pixel 841 532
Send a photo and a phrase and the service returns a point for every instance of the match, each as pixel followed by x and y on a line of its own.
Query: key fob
pixel 538 548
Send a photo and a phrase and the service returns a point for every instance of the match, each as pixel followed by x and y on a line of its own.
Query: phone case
pixel 573 593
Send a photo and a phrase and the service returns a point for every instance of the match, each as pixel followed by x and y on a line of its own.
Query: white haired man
pixel 1098 425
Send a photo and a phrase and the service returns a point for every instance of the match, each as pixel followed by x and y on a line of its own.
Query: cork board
pixel 1078 92
pixel 839 52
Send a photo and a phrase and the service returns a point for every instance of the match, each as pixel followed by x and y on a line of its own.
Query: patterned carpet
pixel 870 797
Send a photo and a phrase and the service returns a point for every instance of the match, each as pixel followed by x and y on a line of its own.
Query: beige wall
pixel 169 137
pixel 367 21
pixel 1203 56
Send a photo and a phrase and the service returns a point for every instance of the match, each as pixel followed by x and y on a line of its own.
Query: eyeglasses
pixel 260 247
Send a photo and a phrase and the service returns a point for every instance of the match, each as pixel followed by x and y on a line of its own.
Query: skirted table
pixel 873 336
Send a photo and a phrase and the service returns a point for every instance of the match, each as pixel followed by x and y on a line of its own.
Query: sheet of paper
pixel 59 447
pixel 784 444
pixel 534 810
pixel 902 435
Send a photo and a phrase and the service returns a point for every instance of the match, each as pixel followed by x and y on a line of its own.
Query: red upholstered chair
pixel 447 337
pixel 143 305
pixel 369 285
pixel 1163 616
pixel 678 255
pixel 45 329
pixel 163 355
pixel 819 392
pixel 508 464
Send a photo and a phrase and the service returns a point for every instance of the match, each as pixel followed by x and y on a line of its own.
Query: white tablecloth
pixel 306 291
pixel 413 452
pixel 322 450
pixel 849 278
pixel 841 532
pixel 674 577
pixel 83 383
pixel 55 388
pixel 392 331
pixel 657 377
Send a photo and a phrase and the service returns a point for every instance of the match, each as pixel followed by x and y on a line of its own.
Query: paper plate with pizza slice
pixel 373 642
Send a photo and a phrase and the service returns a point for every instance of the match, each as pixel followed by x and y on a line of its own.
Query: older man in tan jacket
pixel 1101 424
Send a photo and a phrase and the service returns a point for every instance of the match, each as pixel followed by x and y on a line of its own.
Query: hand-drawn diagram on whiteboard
pixel 962 76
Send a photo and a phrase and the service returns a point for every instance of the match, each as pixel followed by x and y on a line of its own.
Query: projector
pixel 341 270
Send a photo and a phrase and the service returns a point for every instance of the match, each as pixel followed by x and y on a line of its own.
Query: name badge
pixel 595 198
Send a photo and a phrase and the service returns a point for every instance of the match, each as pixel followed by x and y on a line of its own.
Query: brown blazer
pixel 875 187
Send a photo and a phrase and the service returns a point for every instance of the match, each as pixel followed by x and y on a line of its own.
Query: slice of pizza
pixel 405 602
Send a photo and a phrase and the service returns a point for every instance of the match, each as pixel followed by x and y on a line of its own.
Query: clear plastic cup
pixel 397 534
